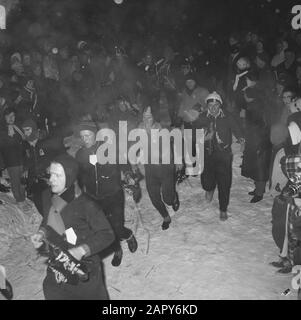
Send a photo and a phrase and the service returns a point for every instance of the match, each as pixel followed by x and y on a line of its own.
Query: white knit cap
pixel 295 132
pixel 215 96
pixel 81 44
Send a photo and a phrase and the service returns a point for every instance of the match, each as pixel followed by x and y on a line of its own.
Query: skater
pixel 70 208
pixel 160 178
pixel 218 154
pixel 103 184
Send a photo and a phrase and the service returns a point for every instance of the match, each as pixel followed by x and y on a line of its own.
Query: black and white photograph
pixel 150 150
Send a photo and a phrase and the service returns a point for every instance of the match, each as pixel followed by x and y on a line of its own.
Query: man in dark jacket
pixel 103 184
pixel 218 154
pixel 11 147
pixel 257 153
pixel 69 212
pixel 40 150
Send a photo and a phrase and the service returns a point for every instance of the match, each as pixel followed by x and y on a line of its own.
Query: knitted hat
pixel 87 125
pixel 29 123
pixel 16 57
pixel 70 166
pixel 214 96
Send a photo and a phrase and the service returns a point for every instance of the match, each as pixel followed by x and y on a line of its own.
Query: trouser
pixel 218 172
pixel 260 187
pixel 188 125
pixel 35 193
pixel 18 190
pixel 160 178
pixel 113 207
pixel 93 289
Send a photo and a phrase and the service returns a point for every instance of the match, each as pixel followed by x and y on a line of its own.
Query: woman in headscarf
pixel 72 215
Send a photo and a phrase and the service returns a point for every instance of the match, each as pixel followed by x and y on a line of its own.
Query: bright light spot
pixel 118 1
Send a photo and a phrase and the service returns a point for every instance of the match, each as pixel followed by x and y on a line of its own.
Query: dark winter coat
pixel 88 222
pixel 224 126
pixel 99 181
pixel 11 148
pixel 258 148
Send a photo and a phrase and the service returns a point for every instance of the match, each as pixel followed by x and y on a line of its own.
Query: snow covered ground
pixel 198 257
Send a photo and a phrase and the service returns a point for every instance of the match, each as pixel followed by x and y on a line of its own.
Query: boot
pixel 116 261
pixel 287 267
pixel 166 223
pixel 223 215
pixel 256 198
pixel 8 291
pixel 209 196
pixel 279 263
pixel 176 203
pixel 132 243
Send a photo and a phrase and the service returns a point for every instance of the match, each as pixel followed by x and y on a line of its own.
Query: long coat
pixel 257 153
pixel 93 231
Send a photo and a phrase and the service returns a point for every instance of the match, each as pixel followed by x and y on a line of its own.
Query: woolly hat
pixel 87 125
pixel 70 166
pixel 16 57
pixel 81 44
pixel 214 96
pixel 29 123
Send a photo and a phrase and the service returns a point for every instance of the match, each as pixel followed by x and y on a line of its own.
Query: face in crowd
pixel 190 84
pixel 10 118
pixel 88 138
pixel 213 106
pixel 27 131
pixel 57 178
pixel 287 97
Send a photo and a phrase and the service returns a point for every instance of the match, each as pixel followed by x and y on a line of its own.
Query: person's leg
pixel 224 180
pixel 168 184
pixel 113 207
pixel 15 174
pixel 208 177
pixel 37 195
pixel 260 188
pixel 153 187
